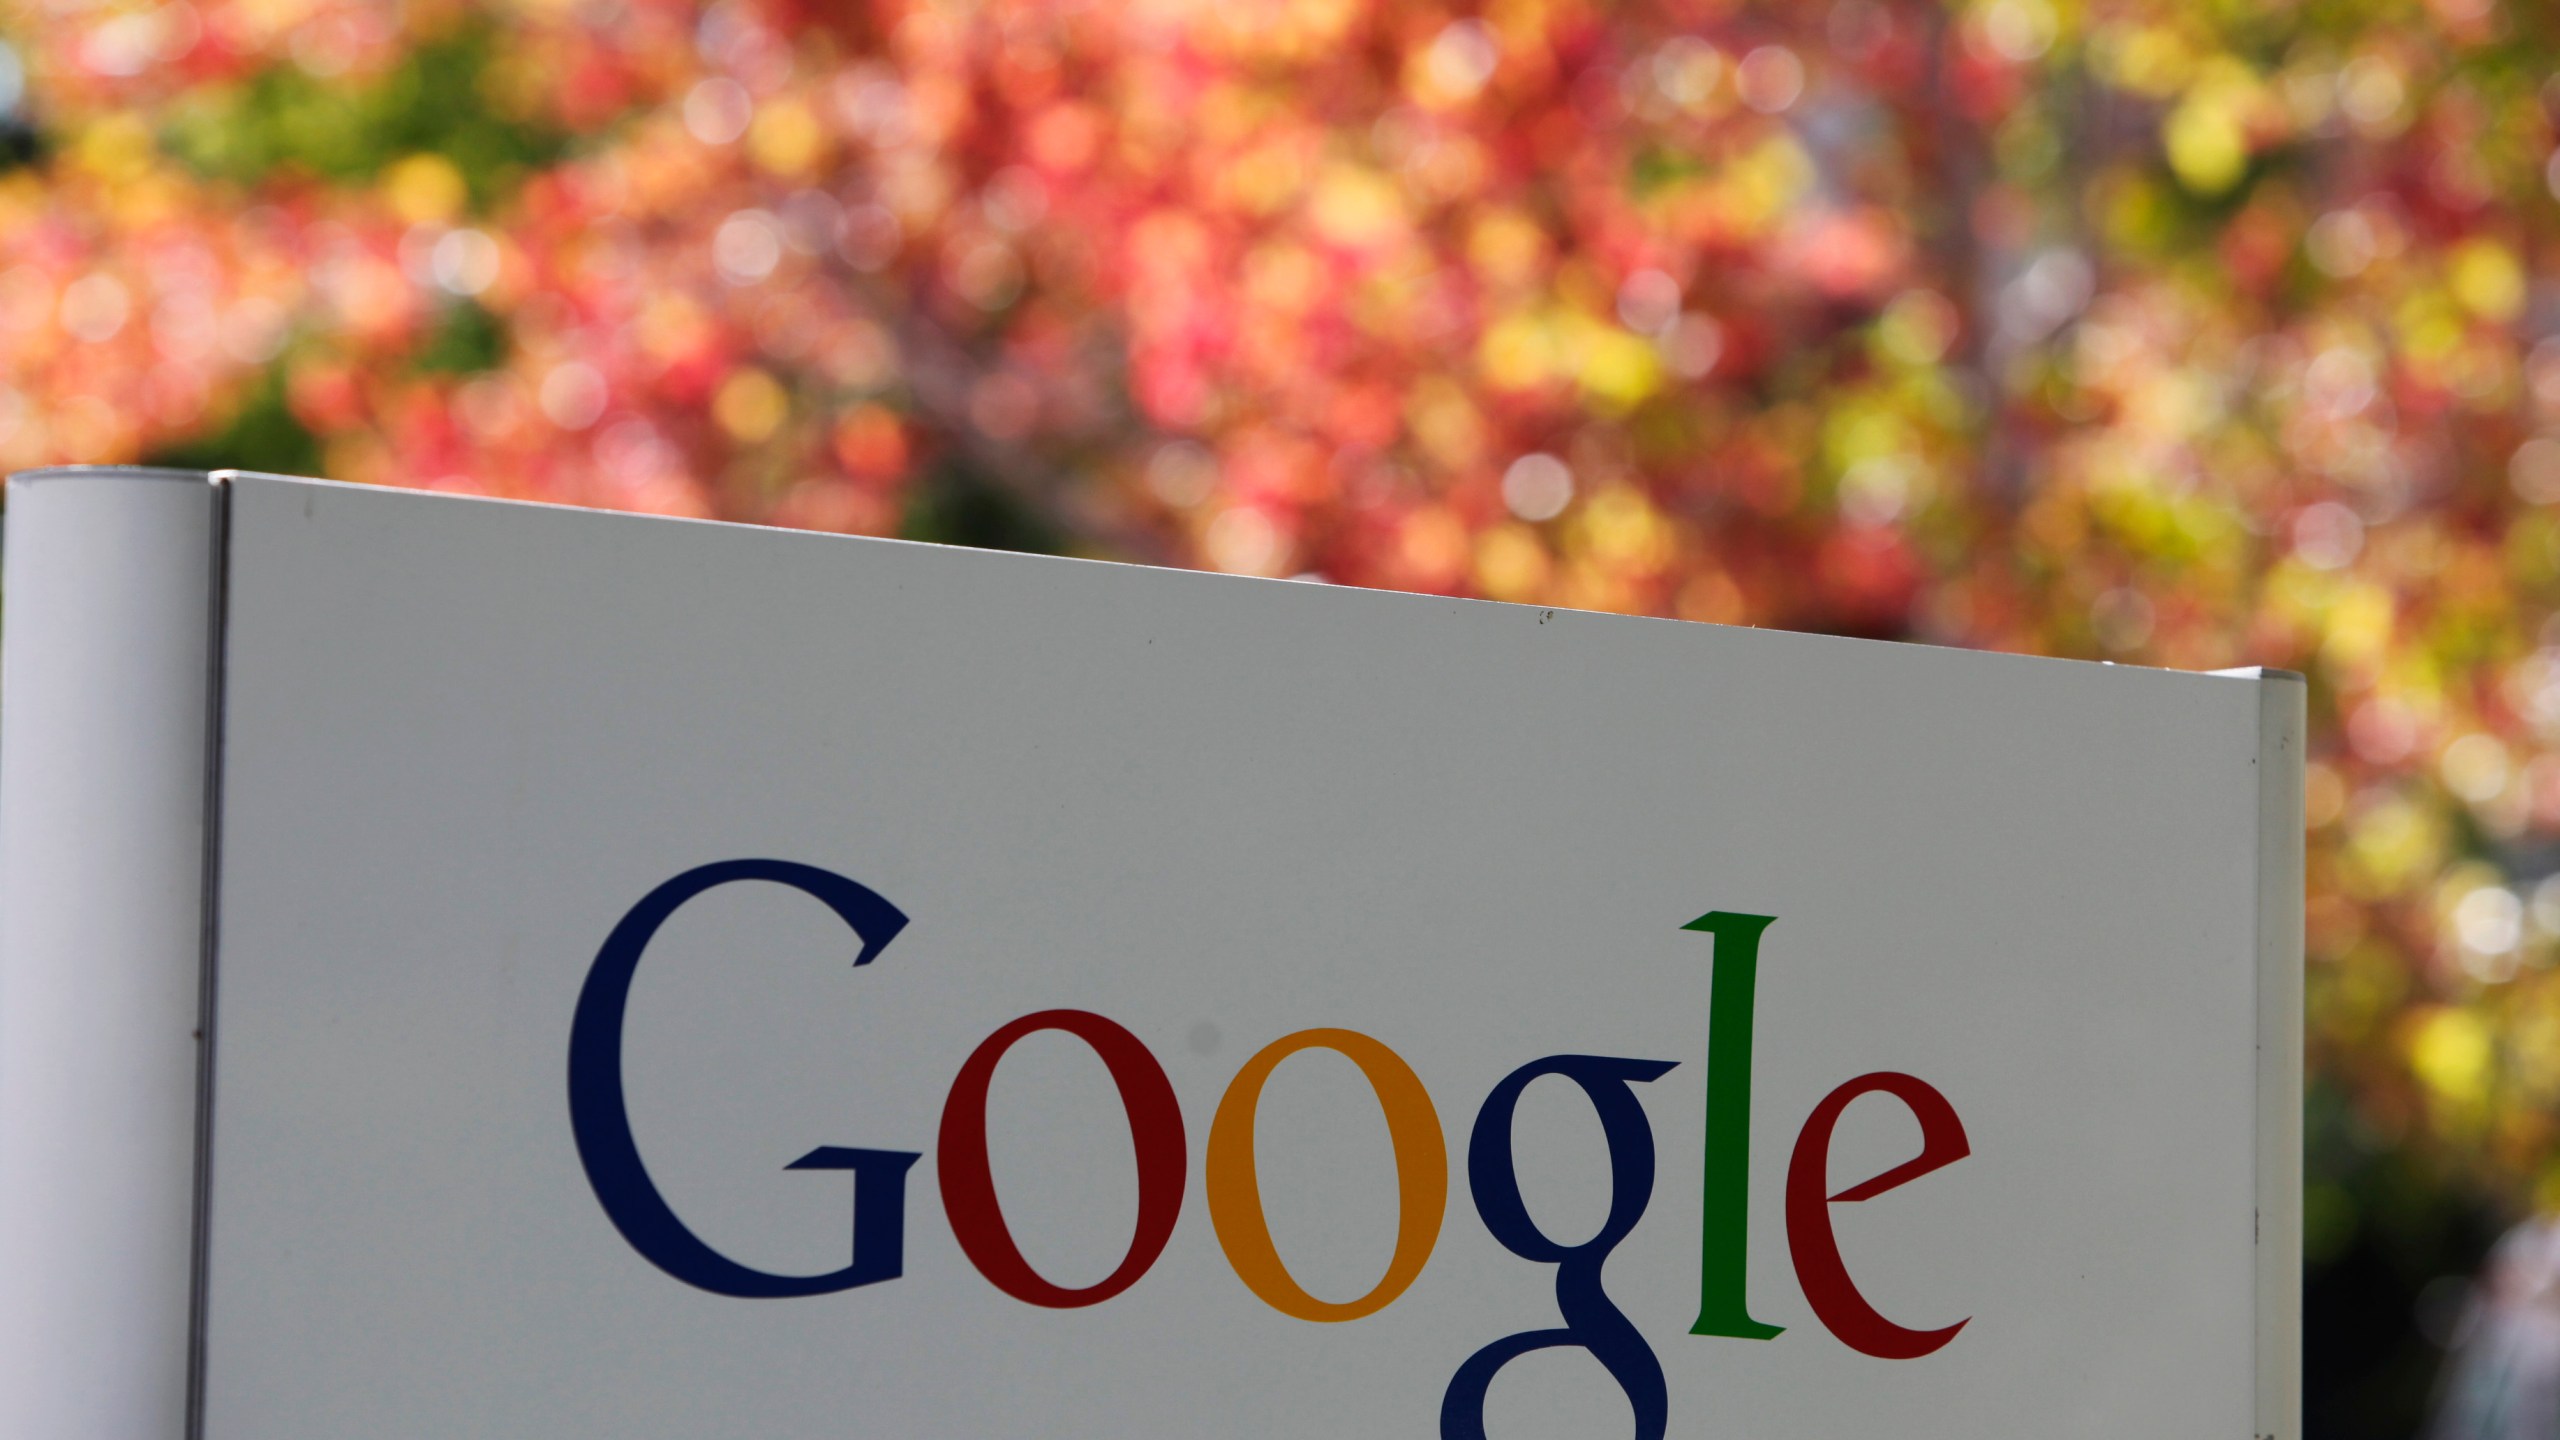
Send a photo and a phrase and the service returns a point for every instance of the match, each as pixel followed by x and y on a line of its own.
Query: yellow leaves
pixel 786 139
pixel 1691 74
pixel 1885 449
pixel 1585 586
pixel 1445 423
pixel 159 196
pixel 2136 214
pixel 2148 60
pixel 1525 25
pixel 1620 529
pixel 2476 767
pixel 1243 540
pixel 1277 30
pixel 2453 1053
pixel 2207 137
pixel 425 189
pixel 118 149
pixel 2429 324
pixel 1867 428
pixel 1447 168
pixel 2375 96
pixel 1454 67
pixel 1743 194
pixel 1515 353
pixel 1314 24
pixel 24 195
pixel 2486 279
pixel 2482 372
pixel 1528 350
pixel 671 325
pixel 2531 546
pixel 750 406
pixel 1618 369
pixel 1269 174
pixel 1358 208
pixel 1711 596
pixel 1507 248
pixel 2391 846
pixel 1432 543
pixel 2357 628
pixel 1282 279
pixel 1511 564
pixel 1916 328
pixel 2172 404
pixel 273 17
pixel 1767 181
pixel 2206 145
pixel 2533 1056
pixel 2018 31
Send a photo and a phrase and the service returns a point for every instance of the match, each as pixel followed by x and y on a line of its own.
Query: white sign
pixel 671 979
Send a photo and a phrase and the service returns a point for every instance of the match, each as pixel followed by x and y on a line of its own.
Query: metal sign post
pixel 479 968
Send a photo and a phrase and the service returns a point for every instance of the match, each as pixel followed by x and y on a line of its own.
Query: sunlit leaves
pixel 2160 331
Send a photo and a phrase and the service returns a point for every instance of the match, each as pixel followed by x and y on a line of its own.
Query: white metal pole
pixel 104 725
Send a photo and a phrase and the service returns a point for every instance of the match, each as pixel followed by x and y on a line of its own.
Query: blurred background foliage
pixel 2195 333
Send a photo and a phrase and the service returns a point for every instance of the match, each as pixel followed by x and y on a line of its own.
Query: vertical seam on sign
pixel 218 611
pixel 2276 1227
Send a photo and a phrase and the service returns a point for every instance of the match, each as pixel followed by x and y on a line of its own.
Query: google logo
pixel 1590 1320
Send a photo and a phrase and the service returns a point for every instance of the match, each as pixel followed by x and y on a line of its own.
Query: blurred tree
pixel 2178 332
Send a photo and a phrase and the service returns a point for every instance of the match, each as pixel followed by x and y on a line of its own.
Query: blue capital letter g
pixel 601 1121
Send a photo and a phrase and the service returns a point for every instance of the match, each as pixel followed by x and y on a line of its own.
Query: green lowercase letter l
pixel 1724 1238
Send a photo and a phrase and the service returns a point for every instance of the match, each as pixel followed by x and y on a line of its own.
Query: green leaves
pixel 284 121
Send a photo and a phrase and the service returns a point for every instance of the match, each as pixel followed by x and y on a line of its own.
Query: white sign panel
pixel 675 980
